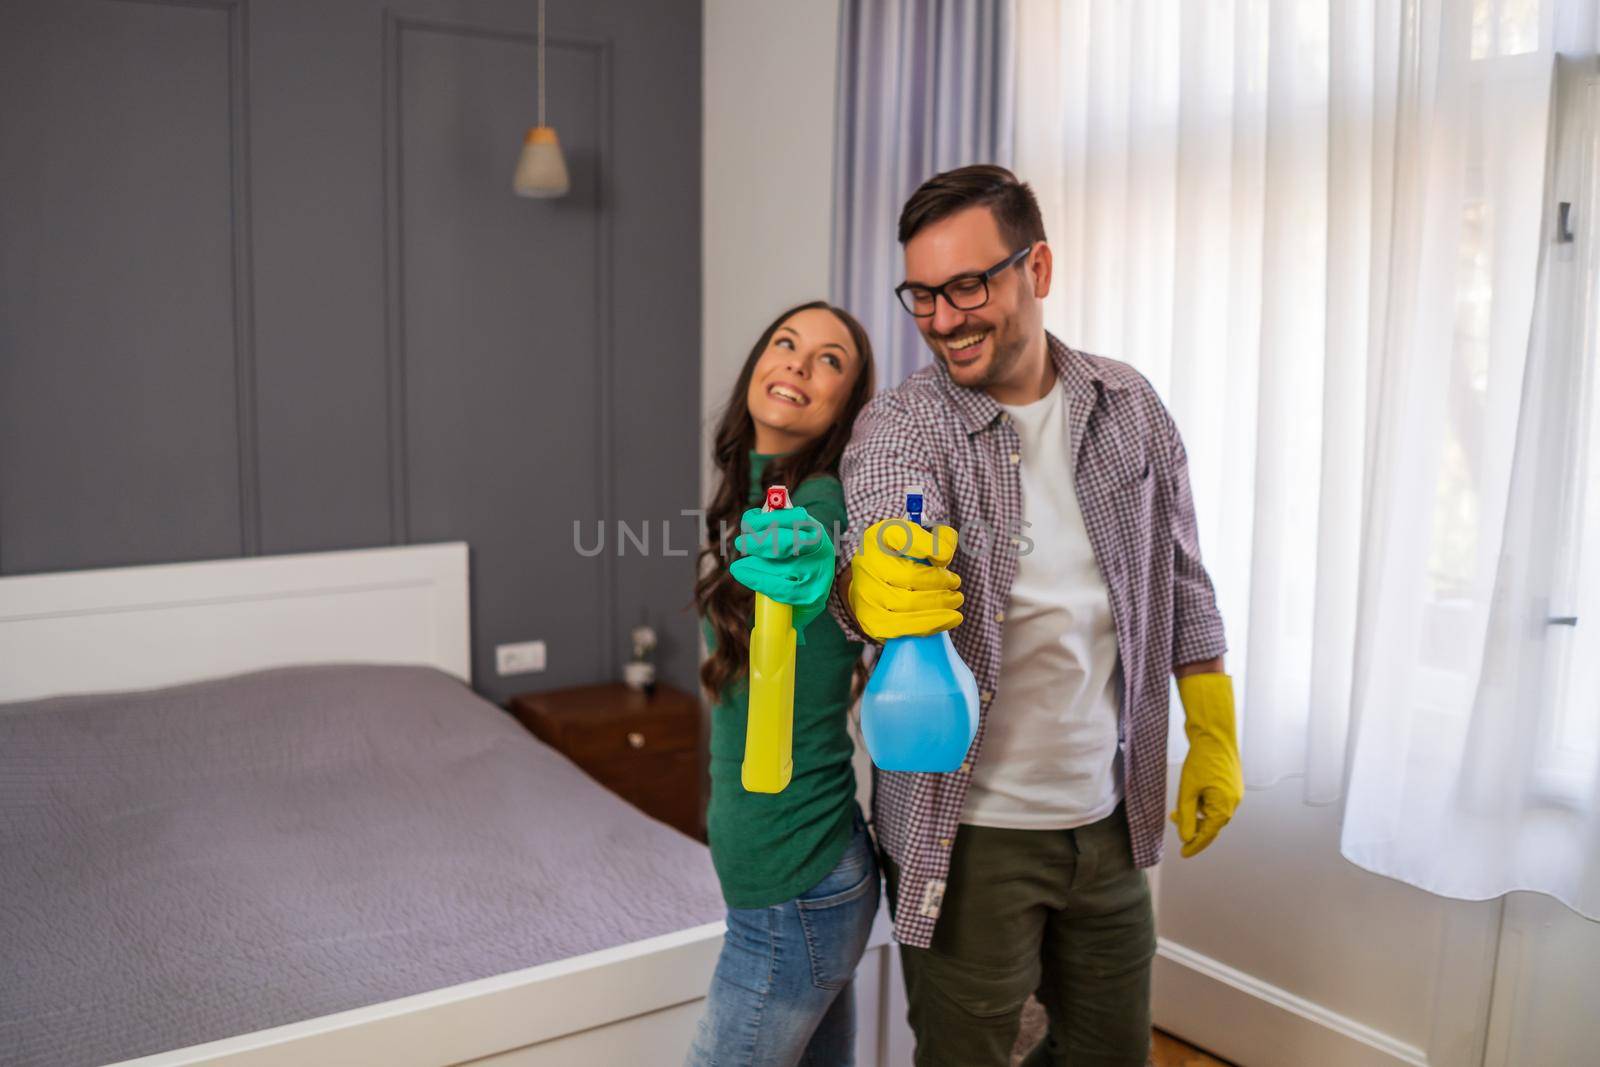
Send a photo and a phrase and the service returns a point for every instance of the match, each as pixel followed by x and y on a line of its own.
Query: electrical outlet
pixel 523 658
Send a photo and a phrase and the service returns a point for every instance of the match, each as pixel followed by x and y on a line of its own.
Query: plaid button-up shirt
pixel 1131 476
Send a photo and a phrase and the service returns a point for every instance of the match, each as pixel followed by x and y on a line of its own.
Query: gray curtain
pixel 924 86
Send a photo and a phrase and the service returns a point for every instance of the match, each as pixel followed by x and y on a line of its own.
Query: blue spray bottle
pixel 920 708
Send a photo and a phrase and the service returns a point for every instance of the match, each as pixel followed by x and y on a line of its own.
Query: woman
pixel 797 868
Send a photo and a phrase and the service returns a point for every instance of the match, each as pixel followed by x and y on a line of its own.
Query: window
pixel 1496 267
pixel 1570 730
pixel 1504 28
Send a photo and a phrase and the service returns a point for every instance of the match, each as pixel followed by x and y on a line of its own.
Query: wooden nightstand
pixel 644 749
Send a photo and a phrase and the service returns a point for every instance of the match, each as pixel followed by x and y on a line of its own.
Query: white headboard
pixel 142 627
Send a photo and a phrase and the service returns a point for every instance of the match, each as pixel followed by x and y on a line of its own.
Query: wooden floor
pixel 1165 1050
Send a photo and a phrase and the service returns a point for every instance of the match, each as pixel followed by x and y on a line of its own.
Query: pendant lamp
pixel 541 171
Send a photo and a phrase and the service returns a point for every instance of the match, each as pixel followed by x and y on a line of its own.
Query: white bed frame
pixel 143 627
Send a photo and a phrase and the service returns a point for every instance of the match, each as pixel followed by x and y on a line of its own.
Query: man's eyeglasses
pixel 968 292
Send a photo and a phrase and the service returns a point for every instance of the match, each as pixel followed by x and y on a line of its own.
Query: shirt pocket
pixel 1136 503
pixel 1135 500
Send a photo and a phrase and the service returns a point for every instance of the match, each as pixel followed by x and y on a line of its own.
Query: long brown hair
pixel 723 602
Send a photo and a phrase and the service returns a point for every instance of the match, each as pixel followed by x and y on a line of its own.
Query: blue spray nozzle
pixel 914 504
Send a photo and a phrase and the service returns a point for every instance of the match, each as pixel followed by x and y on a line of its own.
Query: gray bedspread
pixel 187 864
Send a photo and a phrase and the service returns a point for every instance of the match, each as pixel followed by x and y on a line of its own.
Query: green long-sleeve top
pixel 770 847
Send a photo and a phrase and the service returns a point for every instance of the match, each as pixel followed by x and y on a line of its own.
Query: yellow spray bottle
pixel 769 729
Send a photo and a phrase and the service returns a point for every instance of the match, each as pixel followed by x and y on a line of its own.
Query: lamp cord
pixel 541 62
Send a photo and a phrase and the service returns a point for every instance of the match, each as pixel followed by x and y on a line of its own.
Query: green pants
pixel 1061 913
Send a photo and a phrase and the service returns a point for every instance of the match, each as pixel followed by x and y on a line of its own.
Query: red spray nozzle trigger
pixel 777 498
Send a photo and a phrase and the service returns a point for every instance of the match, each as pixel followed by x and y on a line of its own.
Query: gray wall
pixel 264 288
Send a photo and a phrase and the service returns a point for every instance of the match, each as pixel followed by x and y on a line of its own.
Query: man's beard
pixel 1008 351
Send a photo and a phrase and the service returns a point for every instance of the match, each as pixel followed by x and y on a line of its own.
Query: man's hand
pixel 1212 782
pixel 900 581
pixel 788 557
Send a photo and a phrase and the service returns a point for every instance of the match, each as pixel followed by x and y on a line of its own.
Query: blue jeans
pixel 782 995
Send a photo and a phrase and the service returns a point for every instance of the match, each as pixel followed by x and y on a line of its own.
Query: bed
pixel 251 813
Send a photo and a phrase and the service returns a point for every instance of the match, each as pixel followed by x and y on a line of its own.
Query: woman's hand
pixel 787 556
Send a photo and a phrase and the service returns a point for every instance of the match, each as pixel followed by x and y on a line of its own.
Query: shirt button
pixel 944 842
pixel 999 616
pixel 986 696
pixel 1005 416
pixel 1016 457
pixel 965 766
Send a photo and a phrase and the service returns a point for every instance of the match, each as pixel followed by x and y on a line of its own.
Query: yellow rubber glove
pixel 1212 782
pixel 900 581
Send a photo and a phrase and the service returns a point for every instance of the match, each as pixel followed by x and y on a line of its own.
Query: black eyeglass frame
pixel 936 291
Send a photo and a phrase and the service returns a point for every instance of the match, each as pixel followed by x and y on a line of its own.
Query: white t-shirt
pixel 1049 756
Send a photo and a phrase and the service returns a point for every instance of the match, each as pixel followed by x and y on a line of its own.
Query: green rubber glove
pixel 788 556
pixel 1212 782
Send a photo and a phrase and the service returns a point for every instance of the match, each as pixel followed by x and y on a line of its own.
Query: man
pixel 1067 485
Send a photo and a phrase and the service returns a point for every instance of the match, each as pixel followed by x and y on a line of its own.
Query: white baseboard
pixel 1257 1024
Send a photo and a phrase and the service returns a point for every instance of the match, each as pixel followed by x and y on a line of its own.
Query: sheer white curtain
pixel 1206 172
pixel 1315 225
pixel 1475 768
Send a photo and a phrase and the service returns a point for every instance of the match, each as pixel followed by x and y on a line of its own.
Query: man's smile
pixel 966 347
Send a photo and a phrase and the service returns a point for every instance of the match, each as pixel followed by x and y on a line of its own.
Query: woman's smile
pixel 788 393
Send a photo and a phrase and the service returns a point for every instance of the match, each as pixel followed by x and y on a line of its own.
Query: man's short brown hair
pixel 1010 201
